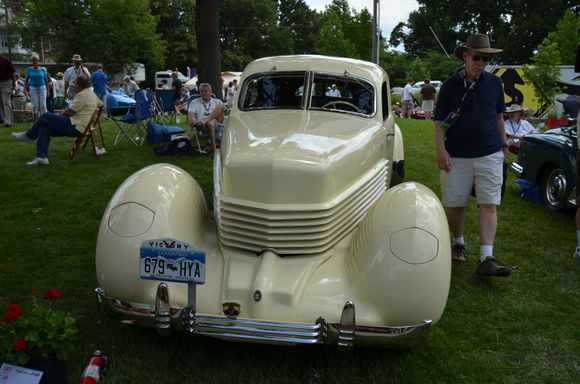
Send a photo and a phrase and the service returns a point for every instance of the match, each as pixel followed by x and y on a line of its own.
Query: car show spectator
pixel 516 127
pixel 471 149
pixel 428 93
pixel 176 86
pixel 71 122
pixel 333 92
pixel 51 92
pixel 205 113
pixel 36 83
pixel 7 84
pixel 408 100
pixel 59 103
pixel 72 73
pixel 577 251
pixel 100 80
pixel 129 86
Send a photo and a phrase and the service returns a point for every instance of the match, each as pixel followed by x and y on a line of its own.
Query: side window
pixel 342 94
pixel 385 100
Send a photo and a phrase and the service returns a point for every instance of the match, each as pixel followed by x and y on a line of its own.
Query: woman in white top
pixel 130 86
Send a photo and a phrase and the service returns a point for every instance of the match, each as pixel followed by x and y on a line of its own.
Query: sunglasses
pixel 477 58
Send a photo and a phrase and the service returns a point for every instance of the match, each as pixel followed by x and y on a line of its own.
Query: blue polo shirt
pixel 99 80
pixel 475 133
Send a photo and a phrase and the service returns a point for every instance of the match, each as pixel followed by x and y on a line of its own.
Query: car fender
pixel 157 202
pixel 401 254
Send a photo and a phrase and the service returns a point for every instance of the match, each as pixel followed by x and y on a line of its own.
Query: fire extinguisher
pixel 95 369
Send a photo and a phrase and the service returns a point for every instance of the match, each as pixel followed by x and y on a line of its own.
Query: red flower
pixel 51 293
pixel 13 311
pixel 19 344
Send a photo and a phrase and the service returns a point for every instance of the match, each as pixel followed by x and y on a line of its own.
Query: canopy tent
pixel 227 76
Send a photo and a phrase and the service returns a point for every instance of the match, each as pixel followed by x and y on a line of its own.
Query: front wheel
pixel 555 189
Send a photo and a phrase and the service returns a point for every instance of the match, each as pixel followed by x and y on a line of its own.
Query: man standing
pixel 206 113
pixel 408 100
pixel 334 92
pixel 471 148
pixel 428 95
pixel 176 86
pixel 71 122
pixel 100 80
pixel 72 73
pixel 7 84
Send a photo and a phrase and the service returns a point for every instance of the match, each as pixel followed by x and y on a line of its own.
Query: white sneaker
pixel 100 151
pixel 21 136
pixel 577 253
pixel 38 161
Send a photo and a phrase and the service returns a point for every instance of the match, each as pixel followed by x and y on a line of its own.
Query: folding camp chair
pixel 165 106
pixel 93 128
pixel 136 120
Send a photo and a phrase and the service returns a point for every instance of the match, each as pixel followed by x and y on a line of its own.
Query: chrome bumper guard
pixel 344 334
pixel 517 169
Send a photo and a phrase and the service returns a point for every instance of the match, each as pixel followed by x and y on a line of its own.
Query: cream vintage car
pixel 312 239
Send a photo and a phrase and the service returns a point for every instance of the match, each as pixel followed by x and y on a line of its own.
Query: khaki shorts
pixel 427 105
pixel 407 104
pixel 485 172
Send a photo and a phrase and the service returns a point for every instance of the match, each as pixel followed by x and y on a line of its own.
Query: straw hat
pixel 59 74
pixel 76 57
pixel 478 43
pixel 514 108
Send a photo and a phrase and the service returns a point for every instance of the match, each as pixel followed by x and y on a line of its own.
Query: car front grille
pixel 305 229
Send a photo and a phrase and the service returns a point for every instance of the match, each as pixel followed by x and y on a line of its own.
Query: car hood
pixel 297 157
pixel 563 137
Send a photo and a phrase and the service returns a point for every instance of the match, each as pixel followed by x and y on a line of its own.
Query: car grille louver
pixel 299 231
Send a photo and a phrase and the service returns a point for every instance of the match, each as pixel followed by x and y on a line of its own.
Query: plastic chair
pixel 93 128
pixel 136 120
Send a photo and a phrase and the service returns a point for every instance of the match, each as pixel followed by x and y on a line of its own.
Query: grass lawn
pixel 523 329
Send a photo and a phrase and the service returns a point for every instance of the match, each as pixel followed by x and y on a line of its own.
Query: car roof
pixel 328 64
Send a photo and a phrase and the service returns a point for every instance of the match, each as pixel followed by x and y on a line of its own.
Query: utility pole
pixel 376 31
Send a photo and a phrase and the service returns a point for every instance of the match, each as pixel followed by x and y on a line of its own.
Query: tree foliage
pixel 544 73
pixel 566 36
pixel 301 22
pixel 113 32
pixel 517 26
pixel 176 25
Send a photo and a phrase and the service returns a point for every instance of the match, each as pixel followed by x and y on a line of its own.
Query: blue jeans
pixel 47 126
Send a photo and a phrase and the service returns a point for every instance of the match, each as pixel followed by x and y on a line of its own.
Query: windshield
pixel 328 92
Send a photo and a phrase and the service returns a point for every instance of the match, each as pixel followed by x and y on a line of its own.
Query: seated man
pixel 71 122
pixel 516 127
pixel 206 113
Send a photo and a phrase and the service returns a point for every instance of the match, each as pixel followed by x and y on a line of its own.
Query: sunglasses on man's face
pixel 477 58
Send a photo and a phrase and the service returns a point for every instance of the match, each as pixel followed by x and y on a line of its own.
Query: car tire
pixel 555 187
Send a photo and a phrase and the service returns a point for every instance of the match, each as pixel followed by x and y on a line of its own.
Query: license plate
pixel 171 260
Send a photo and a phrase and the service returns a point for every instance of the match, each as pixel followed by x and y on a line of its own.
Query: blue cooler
pixel 158 133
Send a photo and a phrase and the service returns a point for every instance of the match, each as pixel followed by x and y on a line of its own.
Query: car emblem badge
pixel 231 310
pixel 257 295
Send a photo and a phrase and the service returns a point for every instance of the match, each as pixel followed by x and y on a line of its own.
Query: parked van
pixel 166 75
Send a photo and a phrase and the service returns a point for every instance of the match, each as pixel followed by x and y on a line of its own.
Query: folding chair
pixel 92 128
pixel 137 120
pixel 165 106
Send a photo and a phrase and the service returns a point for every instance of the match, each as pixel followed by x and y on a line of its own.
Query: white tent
pixel 227 76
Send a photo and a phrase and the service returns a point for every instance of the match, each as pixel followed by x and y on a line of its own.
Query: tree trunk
pixel 208 44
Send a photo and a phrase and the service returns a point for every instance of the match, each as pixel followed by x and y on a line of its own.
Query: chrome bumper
pixel 345 334
pixel 517 169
